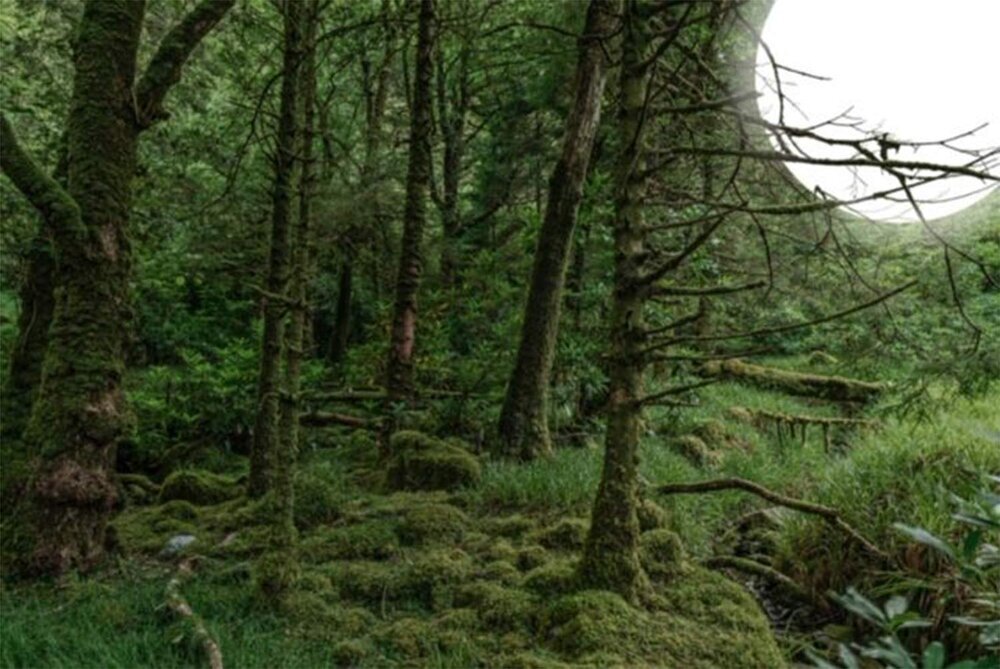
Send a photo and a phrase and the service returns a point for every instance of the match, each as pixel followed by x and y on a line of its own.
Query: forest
pixel 485 333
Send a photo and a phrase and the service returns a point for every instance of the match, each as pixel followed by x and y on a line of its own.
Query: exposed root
pixel 754 568
pixel 180 607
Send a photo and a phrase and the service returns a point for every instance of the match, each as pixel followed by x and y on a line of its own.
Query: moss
pixel 694 449
pixel 512 527
pixel 531 556
pixel 317 500
pixel 275 573
pixel 502 572
pixel 741 414
pixel 138 489
pixel 652 516
pixel 567 534
pixel 661 553
pixel 433 523
pixel 350 653
pixel 553 578
pixel 198 487
pixel 413 638
pixel 499 608
pixel 147 529
pixel 498 549
pixel 425 579
pixel 420 462
pixel 374 540
pixel 705 622
pixel 822 358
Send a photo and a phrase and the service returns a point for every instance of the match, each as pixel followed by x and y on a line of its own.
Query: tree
pixel 523 428
pixel 276 300
pixel 80 413
pixel 399 374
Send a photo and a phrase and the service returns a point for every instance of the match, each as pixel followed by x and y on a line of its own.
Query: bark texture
pixel 80 415
pixel 399 374
pixel 276 300
pixel 610 556
pixel 523 428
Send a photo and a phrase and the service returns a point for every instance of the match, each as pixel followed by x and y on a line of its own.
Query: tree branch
pixel 164 70
pixel 831 516
pixel 59 210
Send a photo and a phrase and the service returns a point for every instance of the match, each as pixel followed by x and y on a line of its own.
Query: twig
pixel 180 607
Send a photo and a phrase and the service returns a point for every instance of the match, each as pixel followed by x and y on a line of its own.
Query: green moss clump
pixel 694 449
pixel 147 529
pixel 661 553
pixel 317 500
pixel 556 577
pixel 426 579
pixel 531 556
pixel 499 608
pixel 375 539
pixel 350 653
pixel 501 571
pixel 433 523
pixel 703 621
pixel 421 462
pixel 138 489
pixel 198 487
pixel 512 527
pixel 652 516
pixel 567 534
pixel 499 549
pixel 592 621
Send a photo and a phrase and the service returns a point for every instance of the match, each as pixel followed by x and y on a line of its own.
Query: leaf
pixel 922 536
pixel 896 606
pixel 856 603
pixel 848 657
pixel 934 656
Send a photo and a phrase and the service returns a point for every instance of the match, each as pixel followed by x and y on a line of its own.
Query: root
pixel 180 607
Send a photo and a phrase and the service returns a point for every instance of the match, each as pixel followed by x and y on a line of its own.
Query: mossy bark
pixel 276 300
pixel 611 553
pixel 80 415
pixel 523 428
pixel 399 375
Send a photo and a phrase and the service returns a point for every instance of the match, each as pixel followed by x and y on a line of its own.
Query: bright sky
pixel 922 70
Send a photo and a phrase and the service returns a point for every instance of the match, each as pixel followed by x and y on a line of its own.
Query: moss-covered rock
pixel 433 523
pixel 199 487
pixel 661 553
pixel 695 450
pixel 421 462
pixel 500 571
pixel 499 608
pixel 375 539
pixel 567 534
pixel 553 578
pixel 147 529
pixel 704 622
pixel 652 516
pixel 350 653
pixel 317 500
pixel 512 527
pixel 531 556
pixel 426 578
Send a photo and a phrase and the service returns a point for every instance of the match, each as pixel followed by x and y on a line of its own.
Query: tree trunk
pixel 80 414
pixel 451 118
pixel 523 429
pixel 342 317
pixel 610 558
pixel 399 377
pixel 275 301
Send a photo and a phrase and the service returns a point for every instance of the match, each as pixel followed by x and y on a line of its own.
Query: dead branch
pixel 180 607
pixel 831 516
pixel 328 418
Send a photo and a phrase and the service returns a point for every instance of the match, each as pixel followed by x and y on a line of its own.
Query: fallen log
pixel 830 515
pixel 329 418
pixel 833 388
pixel 180 607
pixel 763 419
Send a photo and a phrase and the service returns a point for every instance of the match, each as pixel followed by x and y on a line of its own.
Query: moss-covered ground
pixel 483 574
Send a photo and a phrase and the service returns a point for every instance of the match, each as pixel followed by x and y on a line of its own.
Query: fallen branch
pixel 180 607
pixel 328 418
pixel 835 388
pixel 831 516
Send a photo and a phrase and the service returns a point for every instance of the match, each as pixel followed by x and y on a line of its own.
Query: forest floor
pixel 479 576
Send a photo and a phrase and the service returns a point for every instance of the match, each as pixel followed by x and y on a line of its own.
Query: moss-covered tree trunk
pixel 610 558
pixel 80 415
pixel 452 112
pixel 523 428
pixel 276 300
pixel 399 372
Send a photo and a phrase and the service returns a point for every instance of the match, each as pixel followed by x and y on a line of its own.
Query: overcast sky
pixel 922 70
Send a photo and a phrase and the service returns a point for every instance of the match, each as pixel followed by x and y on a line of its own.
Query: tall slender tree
pixel 399 375
pixel 523 429
pixel 276 300
pixel 610 558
